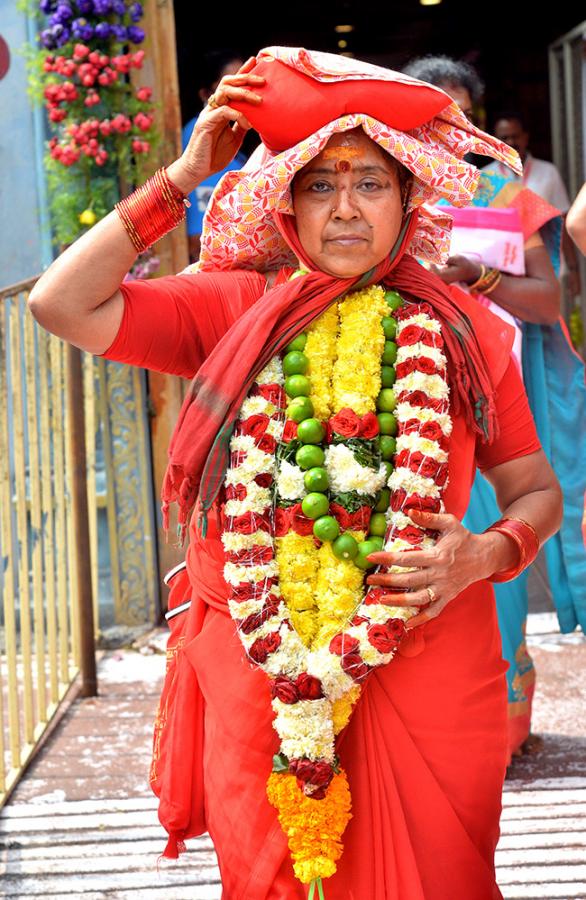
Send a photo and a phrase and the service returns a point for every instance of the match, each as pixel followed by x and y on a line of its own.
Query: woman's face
pixel 348 205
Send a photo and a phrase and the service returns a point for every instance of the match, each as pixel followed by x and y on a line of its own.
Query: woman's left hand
pixel 458 268
pixel 458 559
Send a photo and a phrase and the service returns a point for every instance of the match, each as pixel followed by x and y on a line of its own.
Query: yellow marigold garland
pixel 321 349
pixel 314 828
pixel 298 562
pixel 356 379
pixel 338 592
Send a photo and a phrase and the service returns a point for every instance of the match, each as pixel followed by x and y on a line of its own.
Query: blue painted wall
pixel 25 247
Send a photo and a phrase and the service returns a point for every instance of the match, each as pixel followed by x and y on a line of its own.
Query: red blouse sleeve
pixel 172 324
pixel 518 436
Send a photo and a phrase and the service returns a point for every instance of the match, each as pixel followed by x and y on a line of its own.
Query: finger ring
pixel 430 594
pixel 212 102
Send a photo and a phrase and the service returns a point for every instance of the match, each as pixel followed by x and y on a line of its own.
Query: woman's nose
pixel 344 206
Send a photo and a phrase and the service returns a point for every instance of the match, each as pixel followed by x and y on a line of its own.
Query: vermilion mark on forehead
pixel 343 156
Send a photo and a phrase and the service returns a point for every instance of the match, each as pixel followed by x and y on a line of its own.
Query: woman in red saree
pixel 426 747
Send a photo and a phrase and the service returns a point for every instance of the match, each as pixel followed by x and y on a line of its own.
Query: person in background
pixel 215 64
pixel 554 380
pixel 540 176
pixel 576 220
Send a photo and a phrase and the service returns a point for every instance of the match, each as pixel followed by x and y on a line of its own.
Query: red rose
pixel 328 432
pixel 318 773
pixel 425 504
pixel 264 479
pixel 242 592
pixel 284 690
pixel 255 425
pixel 343 644
pixel 354 666
pixel 237 457
pixel 236 492
pixel 360 520
pixel 282 521
pixel 289 431
pixel 410 533
pixel 416 398
pixel 274 393
pixel 267 443
pixel 429 467
pixel 410 426
pixel 254 556
pixel 370 427
pixel 410 334
pixel 358 620
pixel 405 368
pixel 300 523
pixel 247 523
pixel 431 431
pixel 385 638
pixel 309 687
pixel 346 423
pixel 373 596
pixel 398 499
pixel 262 647
pixel 442 475
pixel 343 518
pixel 427 365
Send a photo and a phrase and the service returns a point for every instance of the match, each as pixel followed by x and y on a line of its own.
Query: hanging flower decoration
pixel 102 124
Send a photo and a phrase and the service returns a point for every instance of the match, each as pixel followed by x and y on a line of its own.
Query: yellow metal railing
pixel 39 613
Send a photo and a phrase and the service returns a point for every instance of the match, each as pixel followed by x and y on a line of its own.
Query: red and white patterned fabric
pixel 239 230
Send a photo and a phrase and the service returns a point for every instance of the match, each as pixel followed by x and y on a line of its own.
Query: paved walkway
pixel 83 823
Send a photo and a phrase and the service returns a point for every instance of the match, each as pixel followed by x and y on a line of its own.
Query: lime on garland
pixel 297 386
pixel 389 353
pixel 388 446
pixel 384 500
pixel 389 327
pixel 298 343
pixel 387 423
pixel 364 550
pixel 394 300
pixel 295 363
pixel 388 376
pixel 386 400
pixel 388 468
pixel 345 547
pixel 378 524
pixel 311 431
pixel 309 456
pixel 315 505
pixel 378 543
pixel 326 528
pixel 316 479
pixel 299 409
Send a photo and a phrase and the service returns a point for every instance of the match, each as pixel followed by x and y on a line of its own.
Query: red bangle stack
pixel 152 210
pixel 526 540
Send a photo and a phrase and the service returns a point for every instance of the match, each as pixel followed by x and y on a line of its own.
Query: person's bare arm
pixel 533 297
pixel 78 297
pixel 576 220
pixel 526 488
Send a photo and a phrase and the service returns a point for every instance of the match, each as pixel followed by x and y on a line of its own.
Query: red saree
pixel 425 751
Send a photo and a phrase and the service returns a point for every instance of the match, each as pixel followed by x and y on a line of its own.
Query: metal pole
pixel 75 401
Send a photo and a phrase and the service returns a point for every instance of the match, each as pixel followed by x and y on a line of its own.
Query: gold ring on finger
pixel 212 102
pixel 430 594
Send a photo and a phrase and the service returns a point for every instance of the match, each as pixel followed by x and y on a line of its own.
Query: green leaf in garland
pixel 280 763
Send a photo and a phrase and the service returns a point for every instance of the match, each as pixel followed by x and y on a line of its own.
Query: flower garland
pixel 103 124
pixel 298 596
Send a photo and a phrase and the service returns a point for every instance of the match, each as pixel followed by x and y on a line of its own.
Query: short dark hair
pixel 511 114
pixel 443 70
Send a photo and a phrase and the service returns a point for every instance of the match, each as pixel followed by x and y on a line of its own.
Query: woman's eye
pixel 320 187
pixel 369 186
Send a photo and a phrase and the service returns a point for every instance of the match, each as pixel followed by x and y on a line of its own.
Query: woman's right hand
pixel 219 130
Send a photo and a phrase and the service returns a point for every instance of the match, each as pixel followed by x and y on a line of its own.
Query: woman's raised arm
pixel 78 297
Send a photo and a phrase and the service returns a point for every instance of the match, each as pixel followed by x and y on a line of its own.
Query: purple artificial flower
pixel 86 7
pixel 136 11
pixel 102 7
pixel 120 32
pixel 47 6
pixel 103 31
pixel 119 7
pixel 82 30
pixel 62 15
pixel 135 34
pixel 48 39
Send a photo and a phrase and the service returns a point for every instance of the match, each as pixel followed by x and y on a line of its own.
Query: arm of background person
pixel 576 220
pixel 78 297
pixel 533 297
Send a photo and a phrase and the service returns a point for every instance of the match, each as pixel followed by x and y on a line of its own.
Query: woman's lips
pixel 346 240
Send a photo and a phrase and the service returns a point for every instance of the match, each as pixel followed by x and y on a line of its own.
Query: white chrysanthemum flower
pixel 423 320
pixel 245 609
pixel 403 478
pixel 257 500
pixel 305 728
pixel 379 614
pixel 290 483
pixel 411 351
pixel 241 442
pixel 433 385
pixel 346 474
pixel 404 412
pixel 326 666
pixel 272 372
pixel 414 443
pixel 234 542
pixel 256 406
pixel 236 575
pixel 289 659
